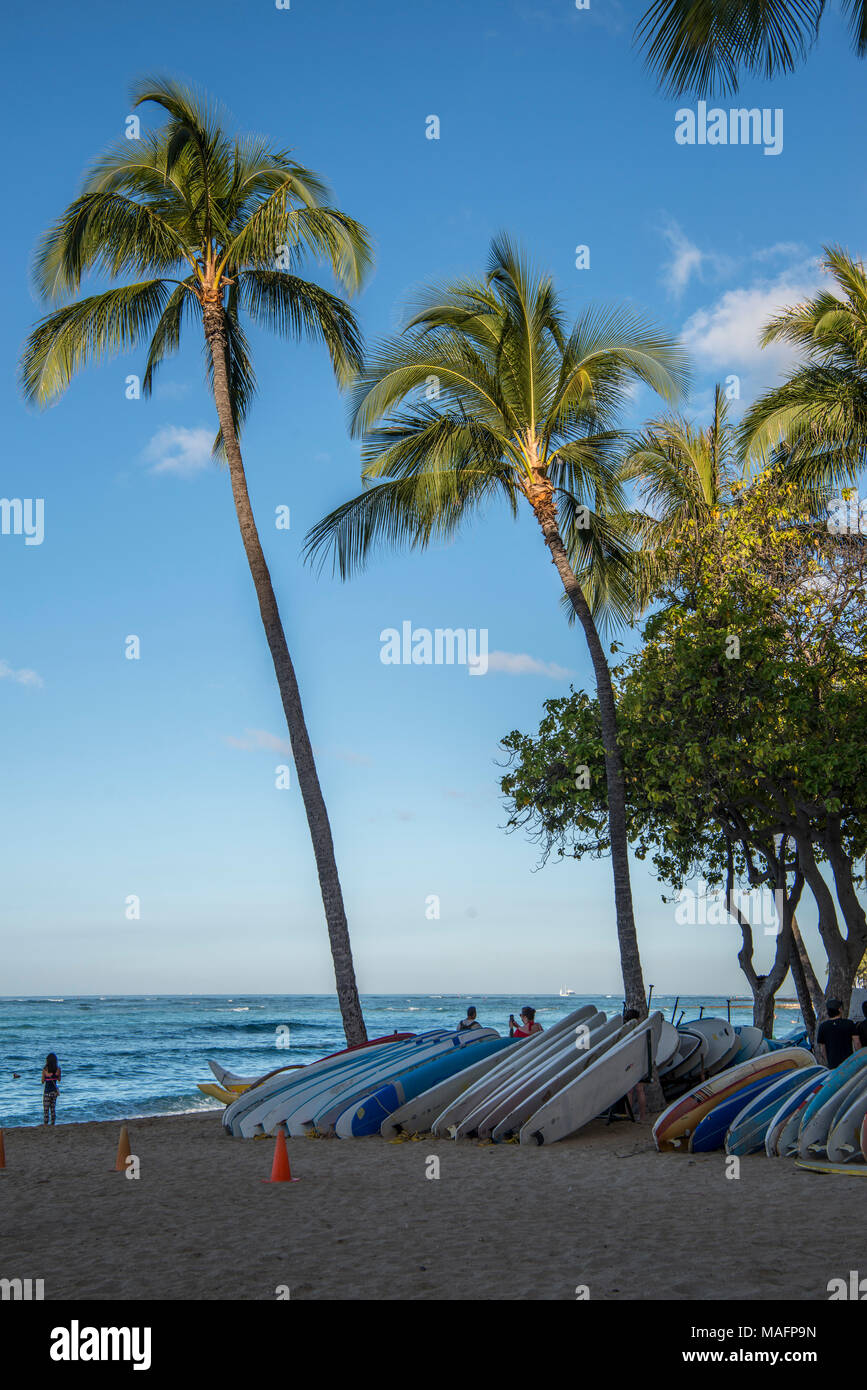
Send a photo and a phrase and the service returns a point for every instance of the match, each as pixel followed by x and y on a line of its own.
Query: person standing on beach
pixel 834 1036
pixel 470 1021
pixel 50 1087
pixel 861 1029
pixel 527 1025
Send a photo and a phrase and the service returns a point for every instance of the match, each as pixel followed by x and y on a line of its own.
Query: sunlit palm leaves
pixel 487 392
pixel 210 218
pixel 819 415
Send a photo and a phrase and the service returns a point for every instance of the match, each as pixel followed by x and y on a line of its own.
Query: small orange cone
pixel 280 1170
pixel 123 1150
pixel 2 1151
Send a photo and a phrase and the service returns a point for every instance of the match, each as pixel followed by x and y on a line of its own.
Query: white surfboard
pixel 597 1088
pixel 839 1086
pixel 417 1115
pixel 492 1110
pixel 844 1136
pixel 318 1107
pixel 526 1054
pixel 528 1105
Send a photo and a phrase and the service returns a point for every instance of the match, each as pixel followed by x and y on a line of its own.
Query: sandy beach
pixel 501 1222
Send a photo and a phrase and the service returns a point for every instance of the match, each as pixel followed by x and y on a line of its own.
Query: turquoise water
pixel 142 1055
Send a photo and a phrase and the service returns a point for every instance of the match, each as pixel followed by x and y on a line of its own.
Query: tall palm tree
pixel 684 476
pixel 488 393
pixel 218 225
pixel 700 46
pixel 819 415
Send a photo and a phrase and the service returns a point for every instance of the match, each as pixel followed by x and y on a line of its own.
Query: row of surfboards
pixel 704 1046
pixel 466 1084
pixel 781 1103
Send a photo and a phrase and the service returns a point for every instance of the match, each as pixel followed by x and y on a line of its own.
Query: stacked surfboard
pixel 548 1088
pixel 780 1103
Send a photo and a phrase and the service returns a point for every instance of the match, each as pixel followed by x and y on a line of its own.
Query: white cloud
pixel 520 664
pixel 688 261
pixel 23 676
pixel 725 334
pixel 176 449
pixel 256 739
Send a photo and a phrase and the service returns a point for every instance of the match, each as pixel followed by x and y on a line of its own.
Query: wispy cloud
pixel 256 739
pixel 520 664
pixel 23 676
pixel 688 261
pixel 725 334
pixel 176 449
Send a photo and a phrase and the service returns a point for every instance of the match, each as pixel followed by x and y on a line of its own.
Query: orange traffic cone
pixel 123 1150
pixel 280 1170
pixel 2 1151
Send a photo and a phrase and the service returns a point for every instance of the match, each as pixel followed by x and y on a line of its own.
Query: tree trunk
pixel 302 752
pixel 808 988
pixel 541 500
pixel 540 497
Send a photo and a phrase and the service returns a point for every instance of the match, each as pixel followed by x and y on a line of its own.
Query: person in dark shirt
pixel 835 1035
pixel 861 1028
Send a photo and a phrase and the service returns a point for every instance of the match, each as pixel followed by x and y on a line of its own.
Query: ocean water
pixel 124 1056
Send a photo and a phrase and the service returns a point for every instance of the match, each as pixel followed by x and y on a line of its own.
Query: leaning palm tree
pixel 818 417
pixel 684 476
pixel 487 393
pixel 212 228
pixel 700 46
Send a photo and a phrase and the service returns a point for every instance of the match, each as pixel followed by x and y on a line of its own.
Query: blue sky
pixel 156 777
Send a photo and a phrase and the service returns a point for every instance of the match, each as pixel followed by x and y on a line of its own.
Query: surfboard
pixel 678 1121
pixel 852 1170
pixel 690 1051
pixel 417 1115
pixel 515 1081
pixel 529 1052
pixel 319 1109
pixel 845 1080
pixel 530 1079
pixel 787 1120
pixel 844 1134
pixel 751 1040
pixel 721 1038
pixel 709 1135
pixel 510 1117
pixel 364 1117
pixel 747 1131
pixel 598 1088
pixel 236 1117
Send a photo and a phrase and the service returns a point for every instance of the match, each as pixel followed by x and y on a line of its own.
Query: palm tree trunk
pixel 302 752
pixel 541 500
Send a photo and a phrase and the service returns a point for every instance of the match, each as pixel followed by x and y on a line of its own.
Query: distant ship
pixel 564 993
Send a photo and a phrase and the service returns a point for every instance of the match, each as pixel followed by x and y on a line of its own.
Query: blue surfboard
pixel 711 1132
pixel 368 1114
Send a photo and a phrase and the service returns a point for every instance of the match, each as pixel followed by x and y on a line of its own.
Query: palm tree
pixel 700 46
pixel 819 416
pixel 485 394
pixel 219 226
pixel 684 477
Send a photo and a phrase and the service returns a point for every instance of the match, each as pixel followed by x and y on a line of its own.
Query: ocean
pixel 126 1056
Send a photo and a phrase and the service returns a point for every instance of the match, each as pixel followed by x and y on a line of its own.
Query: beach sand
pixel 501 1222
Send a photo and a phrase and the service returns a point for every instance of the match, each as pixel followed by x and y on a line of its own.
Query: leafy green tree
pixel 209 229
pixel 820 414
pixel 742 722
pixel 488 393
pixel 702 46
